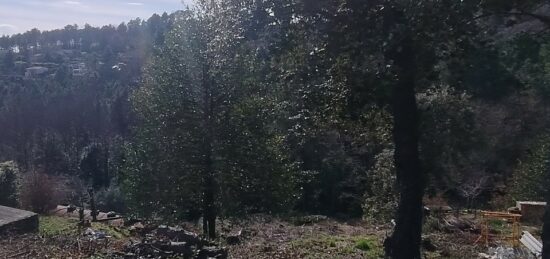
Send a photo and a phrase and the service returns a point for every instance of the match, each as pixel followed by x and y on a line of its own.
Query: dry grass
pixel 267 237
pixel 262 237
pixel 60 238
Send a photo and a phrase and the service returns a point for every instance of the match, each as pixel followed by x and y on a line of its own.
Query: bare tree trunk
pixel 405 241
pixel 92 204
pixel 209 213
pixel 209 181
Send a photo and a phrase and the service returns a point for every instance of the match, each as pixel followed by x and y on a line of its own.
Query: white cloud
pixel 72 2
pixel 52 14
pixel 8 26
pixel 7 29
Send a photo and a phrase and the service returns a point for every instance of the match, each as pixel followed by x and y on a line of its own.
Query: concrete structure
pixel 17 220
pixel 78 69
pixel 531 211
pixel 532 244
pixel 33 72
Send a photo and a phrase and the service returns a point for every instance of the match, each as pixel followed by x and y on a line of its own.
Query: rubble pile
pixel 501 252
pixel 170 242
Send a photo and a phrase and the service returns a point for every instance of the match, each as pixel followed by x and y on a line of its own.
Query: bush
pixel 382 198
pixel 363 244
pixel 9 184
pixel 39 192
pixel 529 182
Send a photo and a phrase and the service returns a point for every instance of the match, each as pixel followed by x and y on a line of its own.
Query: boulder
pixel 308 220
pixel 233 239
pixel 177 234
pixel 212 252
pixel 514 210
pixel 454 223
pixel 181 248
pixel 428 245
pixel 137 228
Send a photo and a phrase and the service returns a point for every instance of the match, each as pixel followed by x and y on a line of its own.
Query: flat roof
pixel 541 203
pixel 9 215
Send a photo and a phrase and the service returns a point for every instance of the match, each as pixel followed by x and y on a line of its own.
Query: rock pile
pixel 171 242
pixel 501 252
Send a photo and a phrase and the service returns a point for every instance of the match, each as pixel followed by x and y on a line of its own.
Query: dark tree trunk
pixel 106 148
pixel 209 212
pixel 209 181
pixel 405 241
pixel 92 204
pixel 209 187
pixel 546 232
pixel 204 221
pixel 546 226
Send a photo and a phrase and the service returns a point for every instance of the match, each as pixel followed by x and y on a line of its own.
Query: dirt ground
pixel 258 237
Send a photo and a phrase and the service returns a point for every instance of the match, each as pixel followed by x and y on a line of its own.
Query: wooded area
pixel 348 108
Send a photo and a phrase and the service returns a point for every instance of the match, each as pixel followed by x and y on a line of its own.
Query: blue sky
pixel 22 15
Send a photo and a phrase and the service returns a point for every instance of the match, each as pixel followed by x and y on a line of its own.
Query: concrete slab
pixel 17 220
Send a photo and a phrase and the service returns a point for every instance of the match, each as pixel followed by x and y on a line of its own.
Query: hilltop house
pixel 78 69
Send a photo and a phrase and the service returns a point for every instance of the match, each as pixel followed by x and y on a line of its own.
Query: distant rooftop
pixel 541 203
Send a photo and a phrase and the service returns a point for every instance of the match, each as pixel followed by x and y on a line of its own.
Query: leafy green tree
pixel 204 129
pixel 8 60
pixel 400 45
pixel 94 165
pixel 450 139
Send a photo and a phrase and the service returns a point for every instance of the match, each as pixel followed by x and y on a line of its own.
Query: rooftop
pixel 538 203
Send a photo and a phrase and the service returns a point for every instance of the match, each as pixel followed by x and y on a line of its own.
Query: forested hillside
pixel 349 109
pixel 65 96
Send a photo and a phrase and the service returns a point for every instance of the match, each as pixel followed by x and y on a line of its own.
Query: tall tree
pixel 199 126
pixel 398 45
pixel 180 102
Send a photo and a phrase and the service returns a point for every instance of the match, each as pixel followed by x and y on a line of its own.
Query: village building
pixel 78 69
pixel 35 72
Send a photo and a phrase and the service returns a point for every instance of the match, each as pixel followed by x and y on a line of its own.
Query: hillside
pixel 396 122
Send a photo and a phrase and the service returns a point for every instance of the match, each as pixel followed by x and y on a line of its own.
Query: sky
pixel 17 16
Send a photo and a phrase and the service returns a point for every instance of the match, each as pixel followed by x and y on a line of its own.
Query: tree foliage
pixel 201 146
pixel 529 181
pixel 346 108
pixel 10 180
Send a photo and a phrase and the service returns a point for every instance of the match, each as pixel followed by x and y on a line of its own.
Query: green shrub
pixel 344 246
pixel 9 184
pixel 529 182
pixel 51 226
pixel 381 199
pixel 363 244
